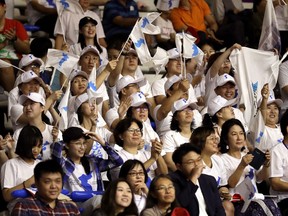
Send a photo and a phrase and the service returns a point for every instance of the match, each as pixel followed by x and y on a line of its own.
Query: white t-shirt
pixel 173 139
pixel 142 156
pixel 76 50
pixel 231 164
pixel 283 81
pixel 210 85
pixel 33 15
pixel 157 87
pixel 14 172
pixel 140 201
pixel 217 170
pixel 166 27
pixel 70 25
pixel 279 168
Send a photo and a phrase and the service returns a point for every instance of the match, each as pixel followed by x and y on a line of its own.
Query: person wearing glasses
pixel 81 172
pixel 134 172
pixel 161 199
pixel 195 191
pixel 128 135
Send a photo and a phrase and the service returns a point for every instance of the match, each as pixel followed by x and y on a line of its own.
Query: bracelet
pixel 23 184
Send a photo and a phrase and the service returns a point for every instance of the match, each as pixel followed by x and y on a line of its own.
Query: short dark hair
pixel 182 150
pixel 39 46
pixel 200 135
pixel 225 131
pixel 108 203
pixel 129 165
pixel 28 138
pixel 123 126
pixel 284 123
pixel 175 125
pixel 47 166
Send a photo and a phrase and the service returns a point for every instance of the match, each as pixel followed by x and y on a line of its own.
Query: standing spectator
pixel 14 41
pixel 119 18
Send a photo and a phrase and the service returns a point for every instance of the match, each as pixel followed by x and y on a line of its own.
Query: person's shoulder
pixel 68 205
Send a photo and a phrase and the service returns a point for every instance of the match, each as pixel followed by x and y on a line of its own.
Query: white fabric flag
pixel 270 36
pixel 139 41
pixel 92 88
pixel 146 24
pixel 63 109
pixel 253 69
pixel 166 5
pixel 160 59
pixel 68 5
pixel 62 61
pixel 191 50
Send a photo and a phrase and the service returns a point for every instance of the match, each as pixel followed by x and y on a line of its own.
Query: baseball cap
pixel 75 72
pixel 126 80
pixel 182 104
pixel 86 20
pixel 132 51
pixel 218 103
pixel 272 99
pixel 223 79
pixel 173 53
pixel 90 48
pixel 138 99
pixel 174 79
pixel 36 97
pixel 27 77
pixel 73 133
pixel 29 59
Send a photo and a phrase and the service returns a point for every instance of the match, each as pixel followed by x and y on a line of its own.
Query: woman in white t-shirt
pixel 181 129
pixel 207 140
pixel 17 173
pixel 237 167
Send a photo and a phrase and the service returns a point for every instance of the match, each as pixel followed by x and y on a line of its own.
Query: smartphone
pixel 259 158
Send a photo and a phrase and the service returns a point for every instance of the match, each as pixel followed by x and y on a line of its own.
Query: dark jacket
pixel 185 194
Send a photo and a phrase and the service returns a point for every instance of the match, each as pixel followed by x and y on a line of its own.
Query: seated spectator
pixel 119 17
pixel 17 173
pixel 81 172
pixel 135 174
pixel 181 129
pixel 236 162
pixel 14 41
pixel 283 85
pixel 67 26
pixel 42 14
pixel 278 168
pixel 161 199
pixel 128 135
pixel 48 181
pixel 195 191
pixel 117 200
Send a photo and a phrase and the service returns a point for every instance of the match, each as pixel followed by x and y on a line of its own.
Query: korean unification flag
pixel 166 5
pixel 191 50
pixel 92 88
pixel 146 24
pixel 140 44
pixel 62 61
pixel 270 36
pixel 63 109
pixel 68 5
pixel 160 59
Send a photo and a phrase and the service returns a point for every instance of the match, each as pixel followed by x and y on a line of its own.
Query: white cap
pixel 182 104
pixel 218 103
pixel 27 77
pixel 16 111
pixel 79 100
pixel 75 72
pixel 90 48
pixel 223 79
pixel 271 99
pixel 132 51
pixel 126 80
pixel 28 59
pixel 174 79
pixel 138 99
pixel 36 97
pixel 166 5
pixel 173 53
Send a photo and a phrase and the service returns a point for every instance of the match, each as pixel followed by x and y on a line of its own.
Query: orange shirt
pixel 193 18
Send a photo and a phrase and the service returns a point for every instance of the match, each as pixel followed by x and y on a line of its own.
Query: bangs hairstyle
pixel 128 166
pixel 152 200
pixel 175 125
pixel 200 135
pixel 123 126
pixel 28 138
pixel 47 166
pixel 108 202
pixel 225 131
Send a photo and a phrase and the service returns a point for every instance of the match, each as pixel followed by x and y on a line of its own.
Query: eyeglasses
pixel 214 139
pixel 134 174
pixel 164 188
pixel 192 162
pixel 138 109
pixel 132 130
